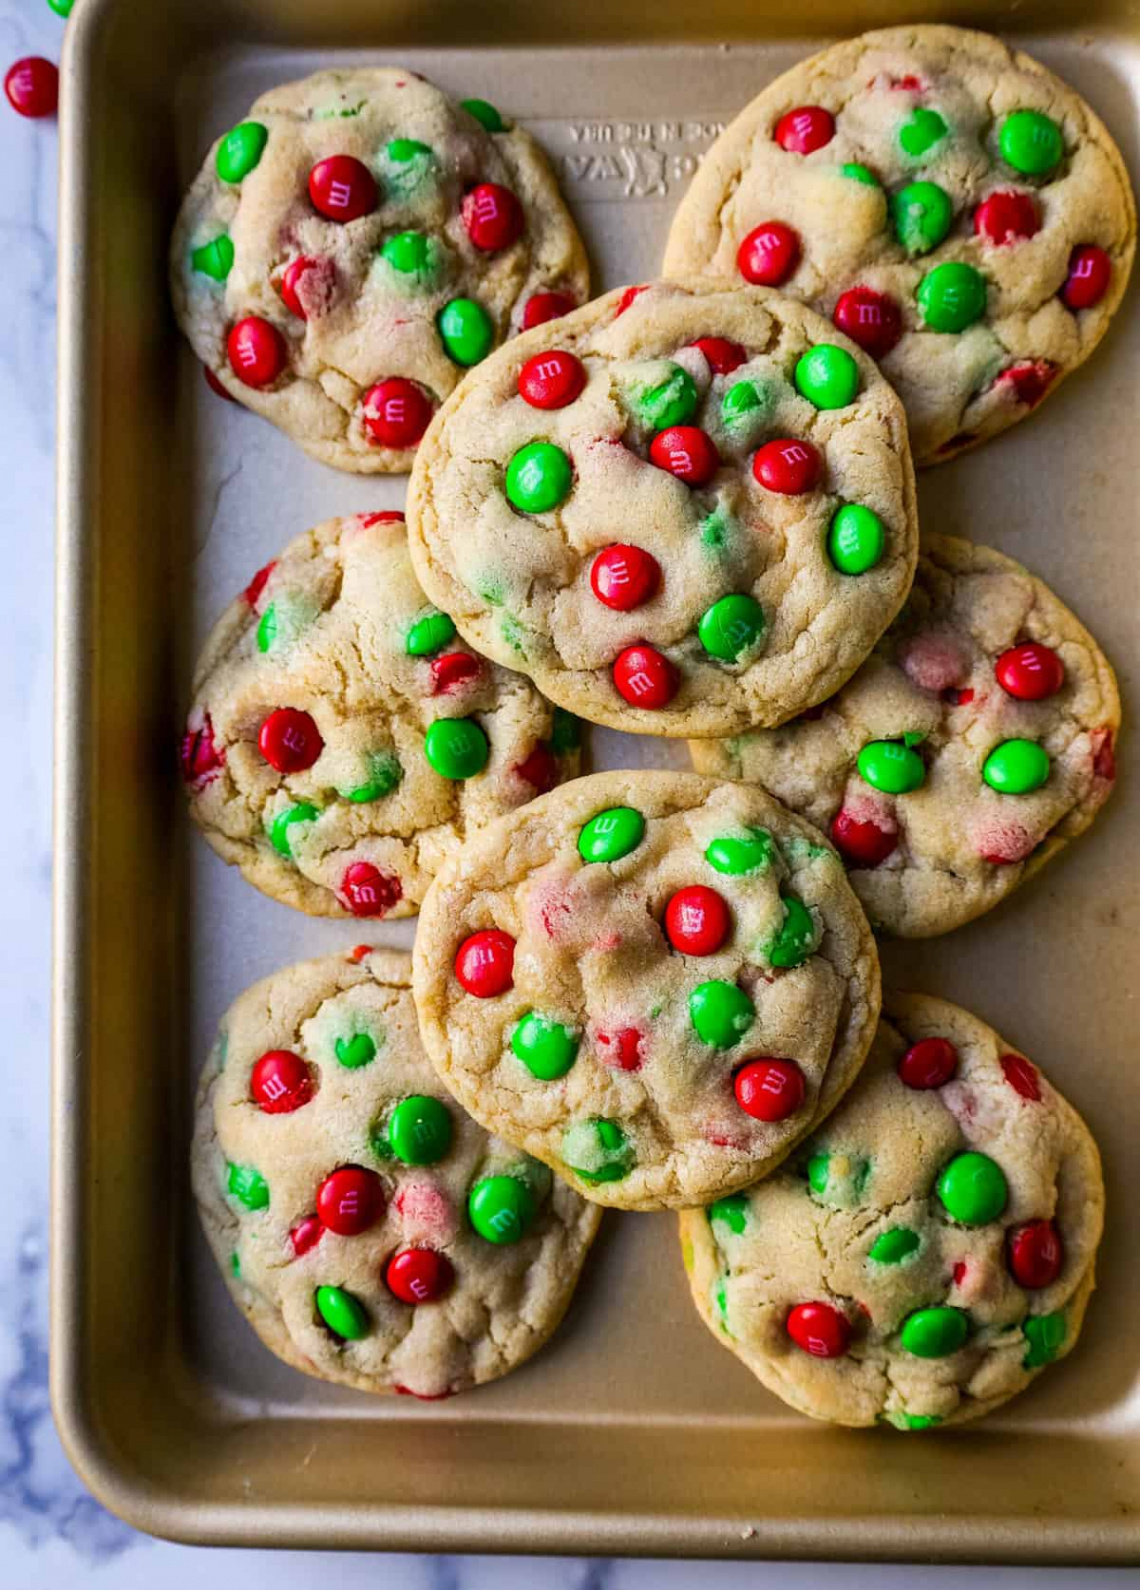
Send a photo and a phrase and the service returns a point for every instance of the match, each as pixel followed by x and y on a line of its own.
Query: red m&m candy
pixel 787 466
pixel 289 740
pixel 387 516
pixel 396 412
pixel 199 753
pixel 551 380
pixel 722 356
pixel 1006 217
pixel 305 1235
pixel 769 1090
pixel 493 217
pixel 256 351
pixel 769 254
pixel 1035 1254
pixel 621 1050
pixel 350 1200
pixel 280 1082
pixel 819 1329
pixel 369 892
pixel 216 386
pixel 862 843
pixel 485 963
pixel 32 86
pixel 805 129
pixel 624 577
pixel 452 670
pixel 1021 1076
pixel 1030 672
pixel 342 188
pixel 928 1063
pixel 1028 381
pixel 871 319
pixel 628 296
pixel 697 921
pixel 541 307
pixel 539 769
pixel 255 587
pixel 644 678
pixel 418 1275
pixel 687 452
pixel 1090 271
pixel 314 278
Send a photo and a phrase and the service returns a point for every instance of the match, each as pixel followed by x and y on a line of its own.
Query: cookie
pixel 931 1249
pixel 342 740
pixel 974 743
pixel 358 242
pixel 369 1231
pixel 654 983
pixel 681 510
pixel 948 203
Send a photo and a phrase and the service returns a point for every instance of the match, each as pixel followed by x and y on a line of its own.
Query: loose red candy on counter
pixel 493 217
pixel 199 754
pixel 350 1200
pixel 541 307
pixel 819 1329
pixel 644 678
pixel 1090 271
pixel 624 577
pixel 322 277
pixel 289 740
pixel 621 1051
pixel 721 355
pixel 697 920
pixel 928 1063
pixel 453 669
pixel 862 843
pixel 1006 217
pixel 871 319
pixel 419 1275
pixel 686 452
pixel 256 351
pixel 280 1082
pixel 539 769
pixel 788 466
pixel 805 129
pixel 551 380
pixel 769 254
pixel 369 892
pixel 485 963
pixel 769 1090
pixel 342 188
pixel 306 1234
pixel 1031 672
pixel 32 86
pixel 628 296
pixel 1022 1077
pixel 1035 1254
pixel 396 412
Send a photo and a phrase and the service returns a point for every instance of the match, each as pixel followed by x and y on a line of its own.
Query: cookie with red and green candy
pixel 368 1229
pixel 354 245
pixel 656 984
pixel 928 1252
pixel 945 200
pixel 343 739
pixel 975 742
pixel 682 509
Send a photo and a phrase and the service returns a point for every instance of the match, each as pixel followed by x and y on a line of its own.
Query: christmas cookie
pixel 369 1231
pixel 973 744
pixel 343 739
pixel 681 510
pixel 943 199
pixel 656 984
pixel 354 245
pixel 931 1248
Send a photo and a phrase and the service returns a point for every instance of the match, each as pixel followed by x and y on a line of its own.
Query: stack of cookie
pixel 688 509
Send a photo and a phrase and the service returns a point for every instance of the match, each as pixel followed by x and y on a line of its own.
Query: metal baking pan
pixel 632 1432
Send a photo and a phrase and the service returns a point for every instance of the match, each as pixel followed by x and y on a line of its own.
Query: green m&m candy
pixel 240 150
pixel 401 150
pixel 1016 767
pixel 736 856
pixel 890 766
pixel 1045 1336
pixel 428 634
pixel 893 1246
pixel 486 115
pixel 235 1264
pixel 672 401
pixel 545 1047
pixel 539 477
pixel 410 253
pixel 972 1189
pixel 922 129
pixel 731 1212
pixel 384 773
pixel 343 1312
pixel 502 1209
pixel 731 626
pixel 597 1150
pixel 1031 143
pixel 612 834
pixel 856 539
pixel 854 172
pixel 278 830
pixel 837 1179
pixel 916 1421
pixel 247 1185
pixel 952 296
pixel 419 1130
pixel 827 376
pixel 922 214
pixel 357 1051
pixel 721 1013
pixel 214 259
pixel 267 629
pixel 934 1332
pixel 466 331
pixel 565 733
pixel 456 748
pixel 797 936
pixel 742 399
pixel 62 8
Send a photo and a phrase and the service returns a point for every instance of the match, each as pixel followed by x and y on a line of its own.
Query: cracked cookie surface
pixel 931 1249
pixel 652 982
pixel 354 245
pixel 681 510
pixel 342 740
pixel 951 204
pixel 974 743
pixel 371 1233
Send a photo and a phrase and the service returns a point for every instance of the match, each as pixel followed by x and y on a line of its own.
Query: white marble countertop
pixel 51 1531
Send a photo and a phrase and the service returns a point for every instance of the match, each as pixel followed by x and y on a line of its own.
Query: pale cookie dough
pixel 932 1247
pixel 360 291
pixel 655 983
pixel 342 741
pixel 938 831
pixel 660 585
pixel 896 183
pixel 327 1160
